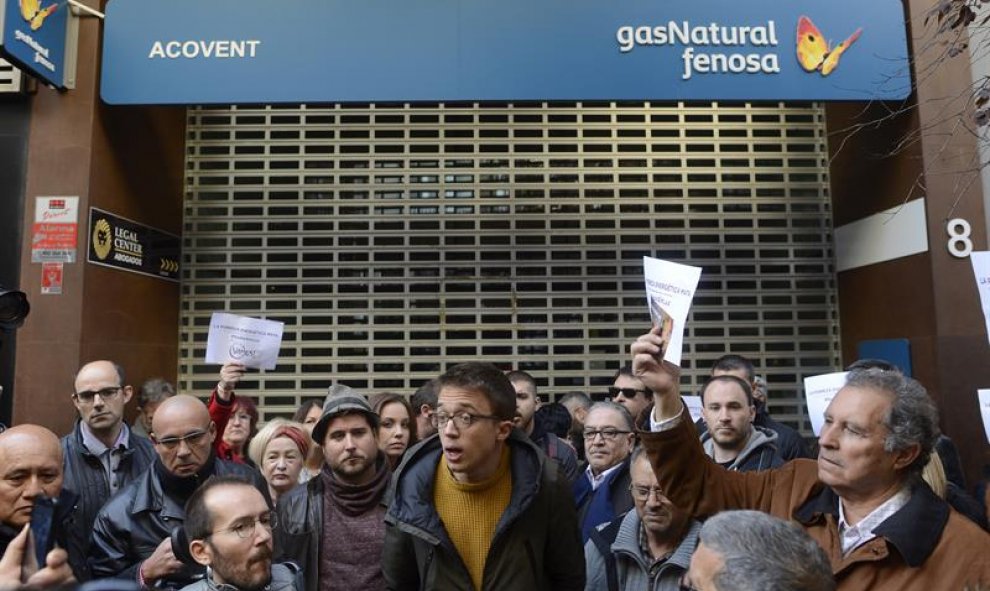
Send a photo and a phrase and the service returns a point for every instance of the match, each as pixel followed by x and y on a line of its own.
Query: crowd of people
pixel 474 482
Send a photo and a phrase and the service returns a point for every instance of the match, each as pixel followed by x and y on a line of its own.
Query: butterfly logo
pixel 814 53
pixel 34 14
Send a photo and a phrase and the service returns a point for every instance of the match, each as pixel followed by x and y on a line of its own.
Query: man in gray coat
pixel 229 530
pixel 648 549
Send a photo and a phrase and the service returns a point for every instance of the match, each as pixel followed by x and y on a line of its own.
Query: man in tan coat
pixel 862 501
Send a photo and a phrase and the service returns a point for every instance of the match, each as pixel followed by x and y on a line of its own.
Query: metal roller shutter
pixel 396 239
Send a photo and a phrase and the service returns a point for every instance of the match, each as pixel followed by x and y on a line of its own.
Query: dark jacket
pixel 556 449
pixel 619 495
pixel 536 545
pixel 84 475
pixel 790 444
pixel 140 516
pixel 300 529
pixel 64 526
pixel 925 545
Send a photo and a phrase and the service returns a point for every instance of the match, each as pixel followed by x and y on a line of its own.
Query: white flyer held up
pixel 819 391
pixel 251 341
pixel 670 288
pixel 981 268
pixel 693 404
pixel 984 396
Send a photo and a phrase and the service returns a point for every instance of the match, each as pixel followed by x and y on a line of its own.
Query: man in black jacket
pixel 131 533
pixel 101 454
pixel 333 527
pixel 479 506
pixel 30 469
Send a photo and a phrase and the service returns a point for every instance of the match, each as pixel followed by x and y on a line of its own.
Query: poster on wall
pixel 55 230
pixel 51 278
pixel 126 245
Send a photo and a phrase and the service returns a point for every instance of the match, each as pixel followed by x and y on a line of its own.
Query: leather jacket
pixel 131 526
pixel 84 475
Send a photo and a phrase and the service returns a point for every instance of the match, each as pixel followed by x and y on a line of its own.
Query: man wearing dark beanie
pixel 334 526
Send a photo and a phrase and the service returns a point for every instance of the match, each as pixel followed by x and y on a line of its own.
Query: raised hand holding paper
pixel 819 391
pixel 251 341
pixel 670 288
pixel 981 268
pixel 984 396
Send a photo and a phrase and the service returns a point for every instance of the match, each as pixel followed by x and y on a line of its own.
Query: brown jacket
pixel 924 546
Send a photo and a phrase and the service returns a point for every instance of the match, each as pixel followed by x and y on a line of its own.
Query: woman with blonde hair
pixel 279 450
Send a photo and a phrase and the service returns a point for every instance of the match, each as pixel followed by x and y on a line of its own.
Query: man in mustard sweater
pixel 478 506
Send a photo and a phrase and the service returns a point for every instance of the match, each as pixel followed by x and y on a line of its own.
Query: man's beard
pixel 238 574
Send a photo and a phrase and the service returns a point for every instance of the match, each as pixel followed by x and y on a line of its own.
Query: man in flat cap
pixel 333 527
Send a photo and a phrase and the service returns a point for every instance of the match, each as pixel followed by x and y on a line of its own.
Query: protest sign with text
pixel 670 288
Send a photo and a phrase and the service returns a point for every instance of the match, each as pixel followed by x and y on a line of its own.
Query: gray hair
pixel 155 390
pixel 615 406
pixel 912 418
pixel 578 399
pixel 763 553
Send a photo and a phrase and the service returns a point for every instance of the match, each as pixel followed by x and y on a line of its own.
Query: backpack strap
pixel 603 538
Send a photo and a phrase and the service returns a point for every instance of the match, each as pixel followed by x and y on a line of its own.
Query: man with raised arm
pixel 862 501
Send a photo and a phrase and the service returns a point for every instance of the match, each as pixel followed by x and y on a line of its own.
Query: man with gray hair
pixel 151 394
pixel 787 559
pixel 862 501
pixel 602 493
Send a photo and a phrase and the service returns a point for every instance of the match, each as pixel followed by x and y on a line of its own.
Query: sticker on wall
pixel 51 278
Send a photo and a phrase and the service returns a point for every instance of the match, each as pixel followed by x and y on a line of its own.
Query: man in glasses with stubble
pixel 131 533
pixel 101 454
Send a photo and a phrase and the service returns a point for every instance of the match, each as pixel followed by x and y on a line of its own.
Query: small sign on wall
pixel 51 278
pixel 129 246
pixel 55 230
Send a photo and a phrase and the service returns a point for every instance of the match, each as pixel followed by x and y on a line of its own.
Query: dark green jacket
pixel 537 545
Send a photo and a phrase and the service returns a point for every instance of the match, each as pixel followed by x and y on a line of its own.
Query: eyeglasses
pixel 608 434
pixel 462 420
pixel 105 394
pixel 173 442
pixel 245 529
pixel 627 392
pixel 642 493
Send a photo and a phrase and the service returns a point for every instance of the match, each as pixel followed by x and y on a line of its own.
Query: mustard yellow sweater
pixel 470 512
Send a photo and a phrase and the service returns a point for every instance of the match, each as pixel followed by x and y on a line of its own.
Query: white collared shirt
pixel 596 481
pixel 854 536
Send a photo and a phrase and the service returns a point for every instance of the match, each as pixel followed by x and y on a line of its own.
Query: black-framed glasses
pixel 608 434
pixel 627 392
pixel 245 529
pixel 642 493
pixel 193 438
pixel 462 420
pixel 87 396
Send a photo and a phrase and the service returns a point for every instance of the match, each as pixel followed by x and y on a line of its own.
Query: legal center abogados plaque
pixel 129 246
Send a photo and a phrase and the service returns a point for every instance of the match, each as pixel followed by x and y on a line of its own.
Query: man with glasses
pixel 101 454
pixel 334 526
pixel 229 527
pixel 648 549
pixel 602 493
pixel 629 391
pixel 131 532
pixel 480 507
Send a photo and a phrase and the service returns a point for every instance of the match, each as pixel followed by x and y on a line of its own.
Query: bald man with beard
pixel 131 533
pixel 31 468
